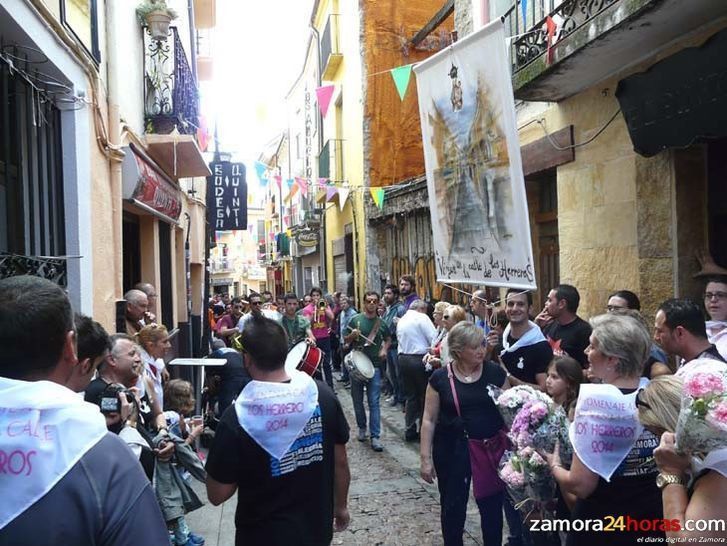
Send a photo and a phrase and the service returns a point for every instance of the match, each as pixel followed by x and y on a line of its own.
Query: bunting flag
pixel 331 192
pixel 377 194
pixel 322 182
pixel 401 77
pixel 324 95
pixel 285 221
pixel 289 232
pixel 279 181
pixel 203 134
pixel 550 26
pixel 524 7
pixel 293 190
pixel 303 185
pixel 260 169
pixel 343 196
pixel 289 182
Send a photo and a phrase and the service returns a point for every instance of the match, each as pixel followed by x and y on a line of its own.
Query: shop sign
pixel 307 239
pixel 224 281
pixel 155 191
pixel 227 196
pixel 255 273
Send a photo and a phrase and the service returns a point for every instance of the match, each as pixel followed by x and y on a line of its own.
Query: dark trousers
pixel 452 464
pixel 392 370
pixel 324 344
pixel 414 383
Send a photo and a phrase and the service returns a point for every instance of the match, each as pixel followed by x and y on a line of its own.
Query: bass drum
pixel 304 357
pixel 359 366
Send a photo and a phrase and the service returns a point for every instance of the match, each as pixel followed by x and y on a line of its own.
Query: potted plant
pixel 156 15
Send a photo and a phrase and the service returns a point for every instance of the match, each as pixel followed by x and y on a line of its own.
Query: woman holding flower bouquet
pixel 691 409
pixel 463 436
pixel 612 473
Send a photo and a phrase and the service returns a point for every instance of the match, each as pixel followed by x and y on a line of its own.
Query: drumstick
pixel 363 336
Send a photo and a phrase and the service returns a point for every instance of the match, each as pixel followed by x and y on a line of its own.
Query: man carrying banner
pixel 64 478
pixel 282 447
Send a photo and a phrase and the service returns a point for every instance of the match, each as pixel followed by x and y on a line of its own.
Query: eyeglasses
pixel 372 301
pixel 612 308
pixel 640 402
pixel 715 295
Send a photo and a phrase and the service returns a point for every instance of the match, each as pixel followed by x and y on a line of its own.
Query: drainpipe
pixel 324 265
pixel 114 139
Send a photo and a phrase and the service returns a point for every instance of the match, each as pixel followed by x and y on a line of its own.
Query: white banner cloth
pixel 479 212
pixel 605 427
pixel 45 429
pixel 275 414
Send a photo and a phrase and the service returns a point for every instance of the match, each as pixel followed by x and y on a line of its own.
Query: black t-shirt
pixel 481 418
pixel 569 339
pixel 526 362
pixel 286 501
pixel 97 386
pixel 631 492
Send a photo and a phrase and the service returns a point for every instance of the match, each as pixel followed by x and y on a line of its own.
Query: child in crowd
pixel 178 403
pixel 563 382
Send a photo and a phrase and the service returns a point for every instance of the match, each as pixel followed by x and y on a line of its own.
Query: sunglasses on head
pixel 640 402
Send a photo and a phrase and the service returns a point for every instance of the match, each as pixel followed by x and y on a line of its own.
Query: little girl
pixel 179 402
pixel 563 382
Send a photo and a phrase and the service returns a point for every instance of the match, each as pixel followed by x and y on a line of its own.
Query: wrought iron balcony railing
pixel 330 160
pixel 171 98
pixel 531 34
pixel 52 269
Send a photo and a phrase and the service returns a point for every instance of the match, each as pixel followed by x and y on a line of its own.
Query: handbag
pixel 485 454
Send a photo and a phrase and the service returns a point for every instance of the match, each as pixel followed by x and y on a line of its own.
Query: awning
pixel 178 155
pixel 146 186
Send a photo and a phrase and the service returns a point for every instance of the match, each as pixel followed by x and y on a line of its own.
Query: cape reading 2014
pixel 227 196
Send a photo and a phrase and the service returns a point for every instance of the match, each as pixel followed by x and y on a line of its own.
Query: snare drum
pixel 359 366
pixel 304 357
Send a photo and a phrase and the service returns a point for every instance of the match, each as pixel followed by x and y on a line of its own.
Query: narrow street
pixel 389 503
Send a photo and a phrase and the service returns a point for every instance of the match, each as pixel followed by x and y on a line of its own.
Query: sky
pixel 259 49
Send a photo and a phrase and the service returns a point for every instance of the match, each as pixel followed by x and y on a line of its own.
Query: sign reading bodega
pixel 227 196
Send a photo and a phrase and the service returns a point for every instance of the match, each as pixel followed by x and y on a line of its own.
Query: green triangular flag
pixel 401 75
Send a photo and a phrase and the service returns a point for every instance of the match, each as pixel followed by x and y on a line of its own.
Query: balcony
pixel 171 99
pixel 52 269
pixel 594 40
pixel 330 160
pixel 331 55
pixel 221 265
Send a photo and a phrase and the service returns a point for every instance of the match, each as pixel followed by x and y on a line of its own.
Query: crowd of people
pixel 117 469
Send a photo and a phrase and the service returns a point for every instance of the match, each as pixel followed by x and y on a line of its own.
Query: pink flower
pixel 717 416
pixel 702 384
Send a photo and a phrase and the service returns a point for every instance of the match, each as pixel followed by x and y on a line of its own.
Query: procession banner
pixel 474 171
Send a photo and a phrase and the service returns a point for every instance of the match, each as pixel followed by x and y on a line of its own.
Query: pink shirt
pixel 320 324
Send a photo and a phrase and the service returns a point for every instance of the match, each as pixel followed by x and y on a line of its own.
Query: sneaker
pixel 362 435
pixel 195 540
pixel 376 445
pixel 391 402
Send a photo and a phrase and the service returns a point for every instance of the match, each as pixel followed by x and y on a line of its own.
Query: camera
pixel 109 399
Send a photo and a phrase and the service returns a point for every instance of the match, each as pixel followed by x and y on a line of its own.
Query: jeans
pixel 414 380
pixel 452 464
pixel 373 392
pixel 345 377
pixel 324 344
pixel 392 368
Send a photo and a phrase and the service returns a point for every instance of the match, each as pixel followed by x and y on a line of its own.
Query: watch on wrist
pixel 662 480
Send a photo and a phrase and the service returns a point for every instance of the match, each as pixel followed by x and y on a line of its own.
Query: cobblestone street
pixel 389 503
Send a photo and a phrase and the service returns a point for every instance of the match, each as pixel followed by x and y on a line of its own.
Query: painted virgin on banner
pixel 474 171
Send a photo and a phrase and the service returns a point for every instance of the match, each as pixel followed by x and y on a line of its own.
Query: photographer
pixel 118 373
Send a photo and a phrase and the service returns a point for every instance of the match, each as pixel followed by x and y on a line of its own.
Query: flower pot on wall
pixel 158 23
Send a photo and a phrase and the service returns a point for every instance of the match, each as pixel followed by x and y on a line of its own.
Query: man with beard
pixel 407 290
pixel 393 312
pixel 526 353
pixel 566 332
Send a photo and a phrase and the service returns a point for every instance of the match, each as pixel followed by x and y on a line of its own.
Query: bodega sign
pixel 227 196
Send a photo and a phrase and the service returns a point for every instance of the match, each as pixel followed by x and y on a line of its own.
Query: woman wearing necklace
pixel 463 435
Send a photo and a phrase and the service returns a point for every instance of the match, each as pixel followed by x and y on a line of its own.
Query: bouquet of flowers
pixel 510 402
pixel 511 472
pixel 539 480
pixel 551 430
pixel 529 419
pixel 702 423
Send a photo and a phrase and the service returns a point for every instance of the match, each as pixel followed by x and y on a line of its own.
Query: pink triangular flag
pixel 324 95
pixel 293 190
pixel 303 185
pixel 343 196
pixel 331 192
pixel 279 181
pixel 322 182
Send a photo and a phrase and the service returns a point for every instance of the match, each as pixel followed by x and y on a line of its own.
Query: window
pixel 81 18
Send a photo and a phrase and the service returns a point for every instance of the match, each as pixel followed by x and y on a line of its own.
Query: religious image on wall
pixel 474 171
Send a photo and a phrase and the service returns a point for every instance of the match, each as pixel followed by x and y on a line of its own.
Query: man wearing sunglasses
pixel 370 335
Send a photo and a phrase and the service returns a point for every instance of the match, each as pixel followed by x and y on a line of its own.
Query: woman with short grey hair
pixel 624 337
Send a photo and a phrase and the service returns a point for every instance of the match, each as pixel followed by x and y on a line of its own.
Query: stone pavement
pixel 388 501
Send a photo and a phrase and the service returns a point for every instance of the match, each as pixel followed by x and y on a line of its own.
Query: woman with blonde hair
pixel 440 355
pixel 153 339
pixel 659 403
